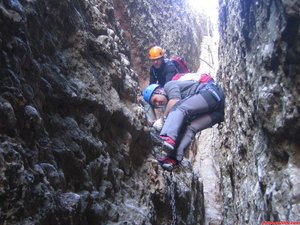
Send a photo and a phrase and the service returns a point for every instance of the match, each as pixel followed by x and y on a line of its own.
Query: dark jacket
pixel 164 73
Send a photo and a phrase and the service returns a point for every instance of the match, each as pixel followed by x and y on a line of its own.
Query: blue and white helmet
pixel 148 92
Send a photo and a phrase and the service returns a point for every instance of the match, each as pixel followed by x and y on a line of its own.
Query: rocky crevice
pixel 74 140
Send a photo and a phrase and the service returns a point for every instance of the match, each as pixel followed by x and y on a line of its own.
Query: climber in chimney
pixel 191 106
pixel 162 69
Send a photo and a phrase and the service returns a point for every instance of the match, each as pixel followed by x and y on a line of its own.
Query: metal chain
pixel 173 201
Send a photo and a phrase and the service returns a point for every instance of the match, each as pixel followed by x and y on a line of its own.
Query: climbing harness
pixel 173 200
pixel 209 88
pixel 214 94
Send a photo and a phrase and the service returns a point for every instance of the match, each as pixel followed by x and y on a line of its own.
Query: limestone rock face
pixel 74 140
pixel 170 24
pixel 259 69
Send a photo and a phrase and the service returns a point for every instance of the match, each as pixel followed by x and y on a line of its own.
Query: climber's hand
pixel 158 124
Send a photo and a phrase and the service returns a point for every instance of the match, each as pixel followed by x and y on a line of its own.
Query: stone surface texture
pixel 259 151
pixel 75 147
pixel 170 24
pixel 74 140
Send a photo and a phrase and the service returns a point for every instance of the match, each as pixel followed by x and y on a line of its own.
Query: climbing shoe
pixel 168 142
pixel 165 142
pixel 167 163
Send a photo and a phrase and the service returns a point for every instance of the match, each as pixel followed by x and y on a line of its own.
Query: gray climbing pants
pixel 191 115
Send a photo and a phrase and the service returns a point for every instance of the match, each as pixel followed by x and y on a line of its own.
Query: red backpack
pixel 180 64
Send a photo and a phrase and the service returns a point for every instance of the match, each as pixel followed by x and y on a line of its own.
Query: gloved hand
pixel 158 124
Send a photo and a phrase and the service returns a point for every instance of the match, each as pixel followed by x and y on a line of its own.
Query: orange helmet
pixel 156 52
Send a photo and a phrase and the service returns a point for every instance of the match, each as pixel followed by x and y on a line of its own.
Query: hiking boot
pixel 168 142
pixel 167 163
pixel 169 167
pixel 167 159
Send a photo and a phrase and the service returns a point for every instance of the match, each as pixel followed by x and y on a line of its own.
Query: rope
pixel 206 63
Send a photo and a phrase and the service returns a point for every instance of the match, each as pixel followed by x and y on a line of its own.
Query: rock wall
pixel 75 146
pixel 74 137
pixel 259 69
pixel 170 24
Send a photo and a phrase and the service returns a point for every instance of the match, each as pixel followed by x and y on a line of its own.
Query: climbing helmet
pixel 156 52
pixel 148 92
